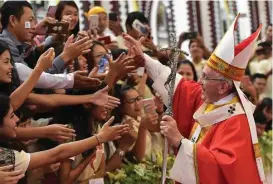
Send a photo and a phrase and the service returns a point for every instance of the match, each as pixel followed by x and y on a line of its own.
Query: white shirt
pixel 46 80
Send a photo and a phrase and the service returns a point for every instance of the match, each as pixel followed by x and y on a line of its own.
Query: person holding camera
pixel 98 26
pixel 198 51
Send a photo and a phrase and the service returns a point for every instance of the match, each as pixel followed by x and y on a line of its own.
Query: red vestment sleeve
pixel 186 100
pixel 226 155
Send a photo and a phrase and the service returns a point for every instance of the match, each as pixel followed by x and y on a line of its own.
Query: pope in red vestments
pixel 225 155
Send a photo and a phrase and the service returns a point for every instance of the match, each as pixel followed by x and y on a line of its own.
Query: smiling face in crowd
pixel 9 124
pixel 5 67
pixel 195 50
pixel 103 22
pixel 186 71
pixel 82 61
pixel 132 103
pixel 98 52
pixel 74 15
pixel 99 113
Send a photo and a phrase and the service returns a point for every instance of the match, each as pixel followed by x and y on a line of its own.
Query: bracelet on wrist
pixel 96 135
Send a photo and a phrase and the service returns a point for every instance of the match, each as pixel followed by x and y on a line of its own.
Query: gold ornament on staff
pixel 169 85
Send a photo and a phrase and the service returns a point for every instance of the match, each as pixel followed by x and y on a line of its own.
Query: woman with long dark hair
pixel 187 70
pixel 9 83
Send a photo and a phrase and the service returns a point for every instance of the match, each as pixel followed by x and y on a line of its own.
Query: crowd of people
pixel 74 105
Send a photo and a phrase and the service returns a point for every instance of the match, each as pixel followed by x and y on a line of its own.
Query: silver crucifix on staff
pixel 169 85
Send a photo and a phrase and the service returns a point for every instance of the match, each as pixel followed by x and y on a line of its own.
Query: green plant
pixel 146 172
pixel 266 150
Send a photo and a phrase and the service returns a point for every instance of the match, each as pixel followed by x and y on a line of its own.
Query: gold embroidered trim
pixel 224 68
pixel 195 163
pixel 257 150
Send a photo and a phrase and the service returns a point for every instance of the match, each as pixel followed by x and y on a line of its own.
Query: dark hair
pixel 265 103
pixel 260 118
pixel 258 114
pixel 59 11
pixel 117 52
pixel 184 62
pixel 15 8
pixel 131 17
pixel 8 88
pixel 192 41
pixel 90 56
pixel 3 47
pixel 78 116
pixel 265 45
pixel 120 92
pixel 259 76
pixel 4 107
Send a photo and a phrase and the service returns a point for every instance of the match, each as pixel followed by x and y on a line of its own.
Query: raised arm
pixel 55 132
pixel 100 98
pixel 142 84
pixel 46 80
pixel 20 94
pixel 68 150
pixel 157 71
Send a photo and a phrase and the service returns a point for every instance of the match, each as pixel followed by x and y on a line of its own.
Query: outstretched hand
pixel 134 46
pixel 94 73
pixel 73 49
pixel 59 133
pixel 45 60
pixel 101 98
pixel 122 65
pixel 81 80
pixel 110 133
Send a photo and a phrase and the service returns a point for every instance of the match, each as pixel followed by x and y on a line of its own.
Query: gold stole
pixel 209 108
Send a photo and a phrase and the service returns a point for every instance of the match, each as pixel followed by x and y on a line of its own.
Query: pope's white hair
pixel 228 80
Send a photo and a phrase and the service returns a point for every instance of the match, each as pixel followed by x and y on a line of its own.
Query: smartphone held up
pixel 149 105
pixel 93 21
pixel 190 35
pixel 58 28
pixel 103 64
pixel 142 29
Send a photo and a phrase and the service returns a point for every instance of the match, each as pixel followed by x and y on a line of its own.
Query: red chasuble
pixel 225 155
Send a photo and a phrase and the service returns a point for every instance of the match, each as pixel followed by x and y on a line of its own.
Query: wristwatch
pixel 120 152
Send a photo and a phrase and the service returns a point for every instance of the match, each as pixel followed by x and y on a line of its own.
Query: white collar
pixel 225 99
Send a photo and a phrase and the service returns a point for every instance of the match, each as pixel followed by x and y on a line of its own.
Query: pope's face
pixel 211 84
